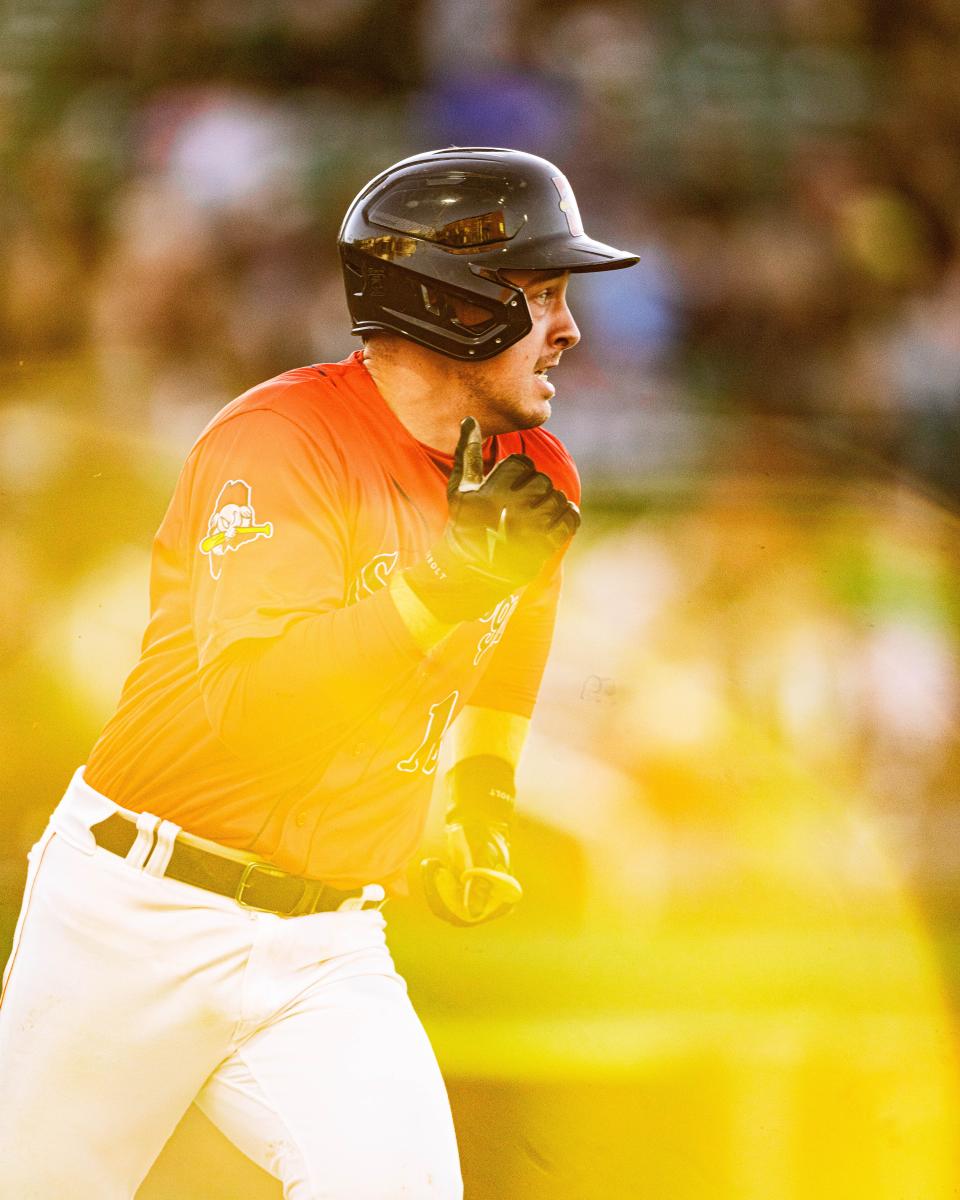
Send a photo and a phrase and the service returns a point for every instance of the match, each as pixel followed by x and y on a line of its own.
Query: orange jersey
pixel 280 704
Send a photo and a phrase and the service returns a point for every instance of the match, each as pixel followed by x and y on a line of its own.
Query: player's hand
pixel 501 531
pixel 510 522
pixel 474 883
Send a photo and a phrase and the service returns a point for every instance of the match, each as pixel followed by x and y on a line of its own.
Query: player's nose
pixel 564 333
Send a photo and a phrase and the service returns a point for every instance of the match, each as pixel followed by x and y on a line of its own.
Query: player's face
pixel 511 391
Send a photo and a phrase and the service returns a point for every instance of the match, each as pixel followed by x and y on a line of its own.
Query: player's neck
pixel 419 390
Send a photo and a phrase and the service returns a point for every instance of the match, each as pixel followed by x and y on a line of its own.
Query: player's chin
pixel 543 414
pixel 530 416
pixel 536 410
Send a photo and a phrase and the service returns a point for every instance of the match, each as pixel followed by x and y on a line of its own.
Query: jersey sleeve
pixel 512 679
pixel 511 682
pixel 268 531
pixel 555 460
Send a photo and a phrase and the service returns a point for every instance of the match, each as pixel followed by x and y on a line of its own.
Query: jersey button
pixel 300 820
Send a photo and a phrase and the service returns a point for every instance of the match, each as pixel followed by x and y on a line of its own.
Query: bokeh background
pixel 736 973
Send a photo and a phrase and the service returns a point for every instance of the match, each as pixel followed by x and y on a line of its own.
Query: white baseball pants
pixel 128 996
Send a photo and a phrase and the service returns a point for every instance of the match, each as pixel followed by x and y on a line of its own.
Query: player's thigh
pixel 101 1049
pixel 342 1098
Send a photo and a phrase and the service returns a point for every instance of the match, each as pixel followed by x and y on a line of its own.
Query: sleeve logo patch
pixel 232 524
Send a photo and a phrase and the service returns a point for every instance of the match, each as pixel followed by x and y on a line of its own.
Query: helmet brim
pixel 578 255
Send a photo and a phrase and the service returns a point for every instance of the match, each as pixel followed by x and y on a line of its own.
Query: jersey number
pixel 425 757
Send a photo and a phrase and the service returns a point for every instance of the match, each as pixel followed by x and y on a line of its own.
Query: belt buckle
pixel 244 885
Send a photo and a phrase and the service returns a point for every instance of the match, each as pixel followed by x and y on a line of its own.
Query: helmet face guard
pixel 424 245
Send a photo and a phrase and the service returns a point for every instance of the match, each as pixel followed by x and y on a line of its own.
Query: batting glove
pixel 473 883
pixel 501 531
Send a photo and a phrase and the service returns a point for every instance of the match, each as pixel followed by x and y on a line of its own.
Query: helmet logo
pixel 232 524
pixel 568 205
pixel 373 283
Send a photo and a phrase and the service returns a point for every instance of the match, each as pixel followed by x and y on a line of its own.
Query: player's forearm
pixel 488 731
pixel 474 883
pixel 487 747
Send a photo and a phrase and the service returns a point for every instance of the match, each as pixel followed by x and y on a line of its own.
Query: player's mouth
pixel 540 373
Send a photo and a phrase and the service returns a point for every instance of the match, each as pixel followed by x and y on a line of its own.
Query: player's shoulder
pixel 318 401
pixel 549 454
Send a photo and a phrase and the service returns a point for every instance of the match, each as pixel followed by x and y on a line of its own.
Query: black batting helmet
pixel 443 226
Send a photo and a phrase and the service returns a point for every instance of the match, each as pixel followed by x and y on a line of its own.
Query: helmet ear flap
pixel 432 300
pixel 469 324
pixel 469 315
pixel 352 275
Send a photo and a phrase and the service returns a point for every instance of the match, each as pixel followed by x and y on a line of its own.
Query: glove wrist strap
pixel 448 585
pixel 481 788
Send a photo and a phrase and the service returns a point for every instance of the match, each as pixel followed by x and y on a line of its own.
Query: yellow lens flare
pixel 721 981
pixel 744 1000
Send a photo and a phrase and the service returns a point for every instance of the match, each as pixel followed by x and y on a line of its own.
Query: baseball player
pixel 357 556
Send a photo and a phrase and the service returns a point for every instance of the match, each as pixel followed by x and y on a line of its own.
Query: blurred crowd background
pixel 174 173
pixel 736 974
